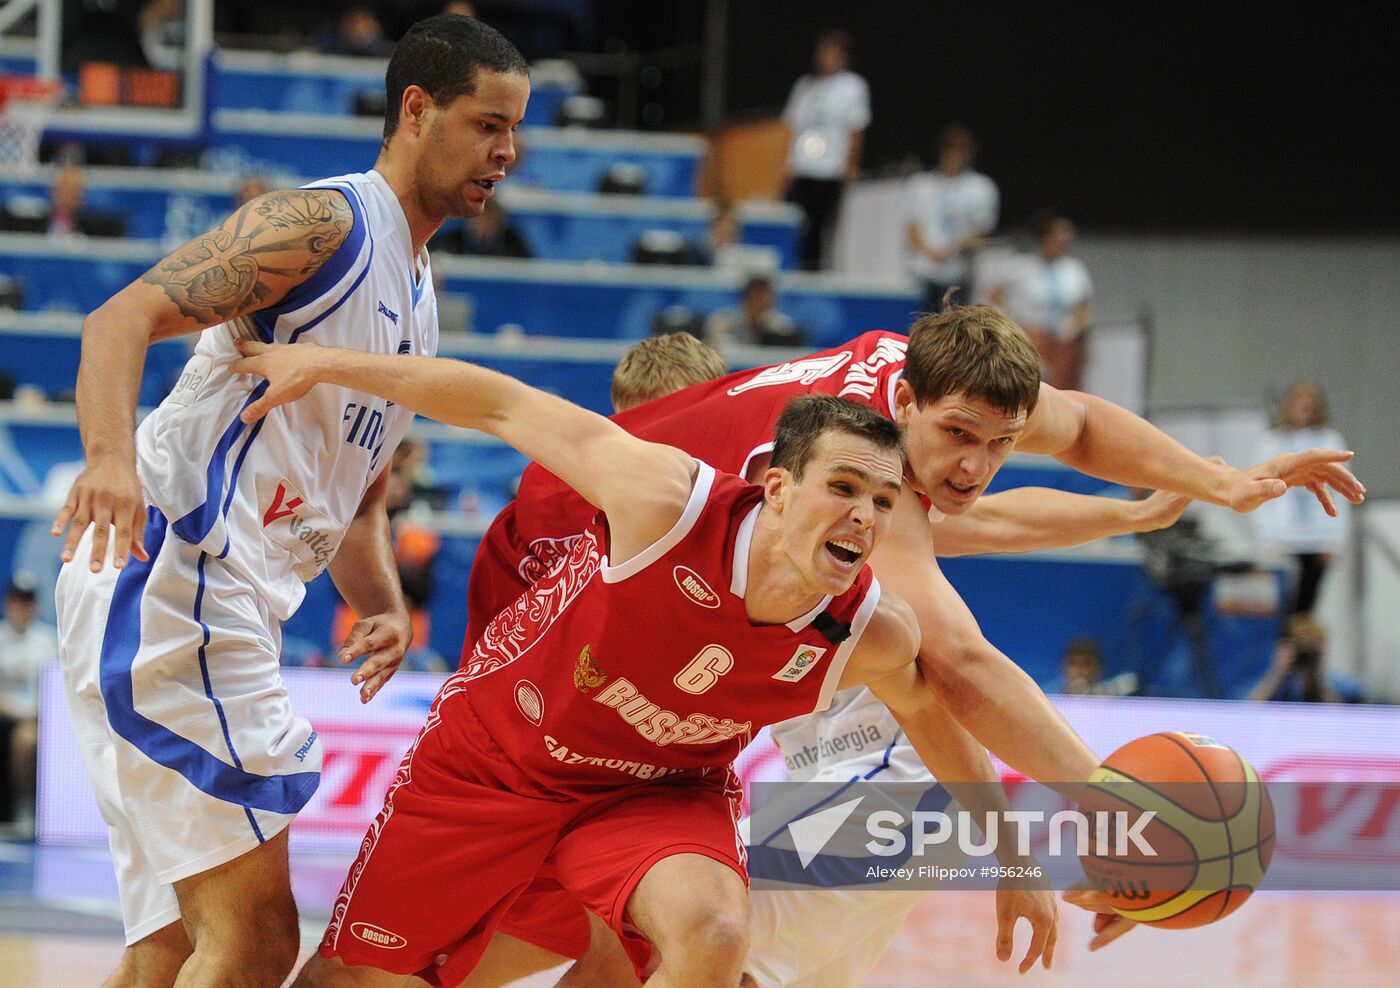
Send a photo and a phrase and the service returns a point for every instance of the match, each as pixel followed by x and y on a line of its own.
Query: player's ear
pixel 775 484
pixel 903 401
pixel 416 103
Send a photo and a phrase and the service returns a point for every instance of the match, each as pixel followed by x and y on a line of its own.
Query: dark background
pixel 1144 117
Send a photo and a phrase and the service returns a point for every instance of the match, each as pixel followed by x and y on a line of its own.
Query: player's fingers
pixel 122 544
pixel 138 536
pixel 360 640
pixel 377 662
pixel 1048 957
pixel 1345 482
pixel 65 514
pixel 256 410
pixel 101 535
pixel 1324 497
pixel 1006 925
pixel 78 522
pixel 1040 935
pixel 369 689
pixel 251 348
pixel 1116 927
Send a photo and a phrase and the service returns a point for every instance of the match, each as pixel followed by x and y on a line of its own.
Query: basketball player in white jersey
pixel 188 546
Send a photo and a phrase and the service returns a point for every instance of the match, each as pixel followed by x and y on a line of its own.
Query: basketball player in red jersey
pixel 966 386
pixel 590 733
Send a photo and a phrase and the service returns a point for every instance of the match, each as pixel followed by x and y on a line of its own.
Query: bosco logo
pixel 529 701
pixel 377 937
pixel 696 589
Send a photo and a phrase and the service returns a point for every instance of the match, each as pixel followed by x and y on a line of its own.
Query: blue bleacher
pixel 307 82
pixel 600 301
pixel 566 160
pixel 176 205
pixel 546 298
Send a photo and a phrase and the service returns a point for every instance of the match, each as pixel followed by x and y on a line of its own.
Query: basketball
pixel 1206 847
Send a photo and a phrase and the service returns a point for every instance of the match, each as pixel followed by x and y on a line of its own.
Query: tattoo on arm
pixel 256 256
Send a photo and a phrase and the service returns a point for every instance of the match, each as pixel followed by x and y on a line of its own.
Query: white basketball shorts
pixel 195 755
pixel 833 937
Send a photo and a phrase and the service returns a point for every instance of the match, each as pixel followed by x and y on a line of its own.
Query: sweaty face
pixel 956 445
pixel 469 143
pixel 837 513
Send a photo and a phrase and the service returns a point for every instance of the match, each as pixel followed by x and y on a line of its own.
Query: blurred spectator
pixel 488 235
pixel 948 213
pixel 64 214
pixel 26 646
pixel 659 365
pixel 357 32
pixel 415 550
pixel 1298 672
pixel 723 247
pixel 1049 294
pixel 1081 672
pixel 163 28
pixel 826 116
pixel 250 186
pixel 459 7
pixel 1296 522
pixel 756 320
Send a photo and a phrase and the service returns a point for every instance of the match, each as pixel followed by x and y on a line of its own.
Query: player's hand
pixel 289 370
pixel 382 639
pixel 1161 509
pixel 1319 470
pixel 1036 905
pixel 107 495
pixel 1109 924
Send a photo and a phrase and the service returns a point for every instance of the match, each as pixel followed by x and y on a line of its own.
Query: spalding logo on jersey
pixel 696 590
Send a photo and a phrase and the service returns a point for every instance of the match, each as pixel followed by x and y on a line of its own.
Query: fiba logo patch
pixel 801 663
pixel 377 937
pixel 529 701
pixel 695 589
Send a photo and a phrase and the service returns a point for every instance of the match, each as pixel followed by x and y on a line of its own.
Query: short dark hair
pixel 442 55
pixel 806 418
pixel 973 350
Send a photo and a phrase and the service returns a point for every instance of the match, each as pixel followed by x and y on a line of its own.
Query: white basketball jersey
pixel 274 499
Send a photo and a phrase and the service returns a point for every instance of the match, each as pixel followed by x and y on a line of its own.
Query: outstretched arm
pixel 1026 518
pixel 1104 440
pixel 642 486
pixel 886 660
pixel 250 261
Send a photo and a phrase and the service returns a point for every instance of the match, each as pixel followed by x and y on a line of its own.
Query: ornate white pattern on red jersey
pixel 519 628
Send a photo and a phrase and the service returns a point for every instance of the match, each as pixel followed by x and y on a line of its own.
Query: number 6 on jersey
pixel 701 672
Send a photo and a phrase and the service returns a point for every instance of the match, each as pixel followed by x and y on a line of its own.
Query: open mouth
pixel 844 551
pixel 487 184
pixel 962 491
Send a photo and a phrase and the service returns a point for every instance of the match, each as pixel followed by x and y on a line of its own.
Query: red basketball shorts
pixel 462 835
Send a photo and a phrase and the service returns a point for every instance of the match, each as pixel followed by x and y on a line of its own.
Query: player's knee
pixel 717 944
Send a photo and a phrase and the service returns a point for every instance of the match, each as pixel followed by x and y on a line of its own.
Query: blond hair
pixel 659 365
pixel 973 350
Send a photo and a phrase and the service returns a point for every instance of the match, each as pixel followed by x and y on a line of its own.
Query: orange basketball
pixel 1208 841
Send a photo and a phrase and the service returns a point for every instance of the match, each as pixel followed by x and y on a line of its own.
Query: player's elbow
pixel 958 672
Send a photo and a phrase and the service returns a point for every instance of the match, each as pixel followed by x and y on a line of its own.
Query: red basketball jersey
pixel 725 422
pixel 603 676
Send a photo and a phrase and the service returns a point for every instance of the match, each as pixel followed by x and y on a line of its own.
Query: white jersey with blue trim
pixel 274 499
pixel 856 727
